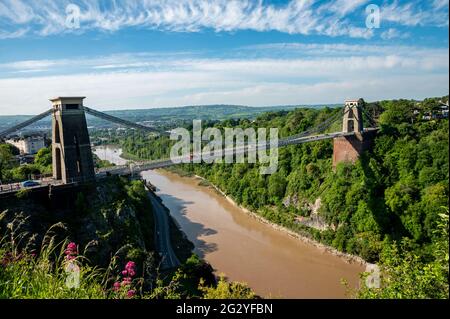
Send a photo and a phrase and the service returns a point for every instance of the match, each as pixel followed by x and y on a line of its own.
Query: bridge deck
pixel 137 167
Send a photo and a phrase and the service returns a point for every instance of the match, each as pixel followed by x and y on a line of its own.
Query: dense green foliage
pixel 405 274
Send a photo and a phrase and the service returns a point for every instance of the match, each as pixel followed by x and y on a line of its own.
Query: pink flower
pixel 131 293
pixel 72 246
pixel 116 286
pixel 130 266
pixel 126 281
pixel 71 251
pixel 131 273
pixel 124 272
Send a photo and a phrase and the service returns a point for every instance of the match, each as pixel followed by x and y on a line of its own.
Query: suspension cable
pixel 324 125
pixel 118 120
pixel 372 122
pixel 25 124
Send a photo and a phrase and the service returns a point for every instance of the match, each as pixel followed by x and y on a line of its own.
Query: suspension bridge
pixel 72 155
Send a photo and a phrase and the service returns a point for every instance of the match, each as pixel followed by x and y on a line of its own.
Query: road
pixel 162 234
pixel 14 187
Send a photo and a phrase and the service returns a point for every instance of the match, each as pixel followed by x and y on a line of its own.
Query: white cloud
pixel 323 73
pixel 14 34
pixel 143 90
pixel 343 7
pixel 300 61
pixel 392 33
pixel 417 86
pixel 295 17
pixel 333 18
pixel 30 65
pixel 440 4
pixel 414 14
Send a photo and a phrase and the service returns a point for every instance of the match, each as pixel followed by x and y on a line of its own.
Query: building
pixel 28 144
pixel 436 114
pixel 444 110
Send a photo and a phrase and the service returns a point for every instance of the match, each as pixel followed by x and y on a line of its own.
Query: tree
pixel 43 159
pixel 225 290
pixel 397 112
pixel 5 158
pixel 404 274
pixel 277 186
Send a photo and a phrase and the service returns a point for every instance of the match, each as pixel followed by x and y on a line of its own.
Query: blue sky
pixel 142 54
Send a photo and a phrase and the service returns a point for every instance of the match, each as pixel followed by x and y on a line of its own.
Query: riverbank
pixel 351 259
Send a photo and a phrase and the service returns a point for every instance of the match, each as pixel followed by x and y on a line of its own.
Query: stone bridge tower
pixel 353 121
pixel 349 148
pixel 71 147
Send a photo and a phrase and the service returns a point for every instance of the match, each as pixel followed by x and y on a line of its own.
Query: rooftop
pixel 59 98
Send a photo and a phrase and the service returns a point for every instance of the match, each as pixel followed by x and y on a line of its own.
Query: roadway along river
pixel 244 249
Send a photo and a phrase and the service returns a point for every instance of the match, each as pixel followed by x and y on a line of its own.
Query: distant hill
pixel 204 112
pixel 164 116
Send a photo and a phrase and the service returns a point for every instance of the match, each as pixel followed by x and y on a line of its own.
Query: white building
pixel 28 144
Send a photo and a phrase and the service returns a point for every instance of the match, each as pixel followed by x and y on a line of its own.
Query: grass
pixel 53 272
pixel 26 275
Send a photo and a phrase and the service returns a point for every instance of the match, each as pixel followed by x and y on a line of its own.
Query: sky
pixel 130 54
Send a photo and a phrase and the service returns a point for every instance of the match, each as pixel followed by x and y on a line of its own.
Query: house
pixel 30 144
pixel 444 110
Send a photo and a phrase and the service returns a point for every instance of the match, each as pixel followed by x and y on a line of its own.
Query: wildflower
pixel 71 251
pixel 128 273
pixel 72 246
pixel 116 286
pixel 130 266
pixel 131 293
pixel 126 281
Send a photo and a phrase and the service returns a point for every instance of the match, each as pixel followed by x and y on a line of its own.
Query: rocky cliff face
pixel 311 217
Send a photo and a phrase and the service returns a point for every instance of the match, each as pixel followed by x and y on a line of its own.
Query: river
pixel 242 248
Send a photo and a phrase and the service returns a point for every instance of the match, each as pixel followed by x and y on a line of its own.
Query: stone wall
pixel 349 148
